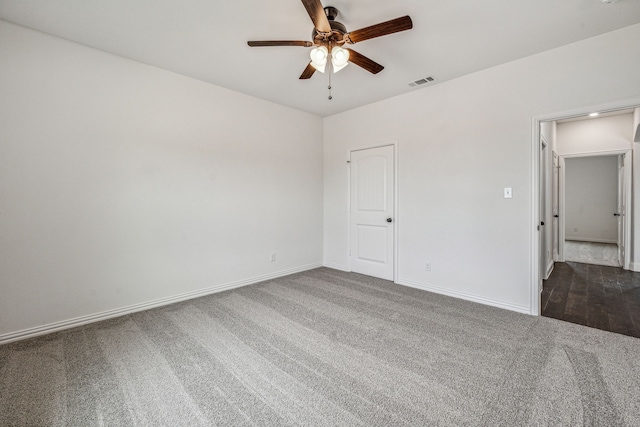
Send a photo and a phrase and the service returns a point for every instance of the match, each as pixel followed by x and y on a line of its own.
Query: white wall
pixel 460 143
pixel 122 183
pixel 591 199
pixel 595 135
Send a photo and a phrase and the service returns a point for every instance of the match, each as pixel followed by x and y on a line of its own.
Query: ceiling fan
pixel 329 36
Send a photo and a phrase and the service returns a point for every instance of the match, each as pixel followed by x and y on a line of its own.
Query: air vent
pixel 421 82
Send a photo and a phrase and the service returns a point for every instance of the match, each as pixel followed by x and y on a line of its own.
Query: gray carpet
pixel 323 348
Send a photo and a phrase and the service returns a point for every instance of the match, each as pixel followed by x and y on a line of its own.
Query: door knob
pixel 389 220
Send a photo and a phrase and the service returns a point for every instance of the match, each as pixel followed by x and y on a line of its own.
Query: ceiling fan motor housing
pixel 338 29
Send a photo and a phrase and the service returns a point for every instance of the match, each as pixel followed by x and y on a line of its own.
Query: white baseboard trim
pixel 635 266
pixel 465 296
pixel 590 240
pixel 336 266
pixel 91 318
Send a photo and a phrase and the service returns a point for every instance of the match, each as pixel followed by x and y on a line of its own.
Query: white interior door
pixel 555 190
pixel 543 213
pixel 621 210
pixel 372 212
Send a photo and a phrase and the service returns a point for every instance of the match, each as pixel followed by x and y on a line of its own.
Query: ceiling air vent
pixel 421 82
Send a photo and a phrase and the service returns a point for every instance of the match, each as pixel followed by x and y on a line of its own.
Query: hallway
pixel 601 297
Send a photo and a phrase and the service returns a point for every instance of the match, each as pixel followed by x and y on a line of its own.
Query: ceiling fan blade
pixel 267 43
pixel 316 12
pixel 308 72
pixel 364 62
pixel 378 30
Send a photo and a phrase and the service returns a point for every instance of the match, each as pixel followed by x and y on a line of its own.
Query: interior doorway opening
pixel 549 182
pixel 584 198
pixel 594 194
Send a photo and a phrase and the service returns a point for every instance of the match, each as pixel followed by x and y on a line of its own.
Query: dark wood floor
pixel 601 297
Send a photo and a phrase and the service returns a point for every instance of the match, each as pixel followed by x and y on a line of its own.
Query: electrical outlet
pixel 427 266
pixel 273 256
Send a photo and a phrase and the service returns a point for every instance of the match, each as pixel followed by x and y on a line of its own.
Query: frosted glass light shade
pixel 339 58
pixel 319 57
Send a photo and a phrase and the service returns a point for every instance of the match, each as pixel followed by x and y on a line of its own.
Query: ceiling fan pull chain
pixel 330 97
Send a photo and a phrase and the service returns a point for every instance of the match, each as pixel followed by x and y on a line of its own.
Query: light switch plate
pixel 508 193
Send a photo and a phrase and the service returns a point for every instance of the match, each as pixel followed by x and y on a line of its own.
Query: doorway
pixel 548 192
pixel 590 287
pixel 580 290
pixel 593 196
pixel 372 212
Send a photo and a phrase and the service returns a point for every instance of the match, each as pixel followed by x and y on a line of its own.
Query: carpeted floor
pixel 323 348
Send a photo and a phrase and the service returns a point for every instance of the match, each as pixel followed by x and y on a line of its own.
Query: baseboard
pixel 465 296
pixel 336 266
pixel 635 266
pixel 590 240
pixel 91 318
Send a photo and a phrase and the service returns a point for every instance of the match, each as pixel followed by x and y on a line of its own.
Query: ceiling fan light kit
pixel 329 36
pixel 339 58
pixel 319 57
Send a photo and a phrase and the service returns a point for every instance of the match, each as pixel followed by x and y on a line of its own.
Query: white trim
pixel 635 266
pixel 96 317
pixel 534 221
pixel 629 210
pixel 336 266
pixel 556 243
pixel 396 231
pixel 596 153
pixel 468 297
pixel 534 212
pixel 588 239
pixel 561 208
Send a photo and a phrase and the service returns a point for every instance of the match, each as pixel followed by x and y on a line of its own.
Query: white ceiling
pixel 206 39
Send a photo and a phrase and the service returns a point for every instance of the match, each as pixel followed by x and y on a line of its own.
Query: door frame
pixel 396 215
pixel 557 254
pixel 626 238
pixel 534 211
